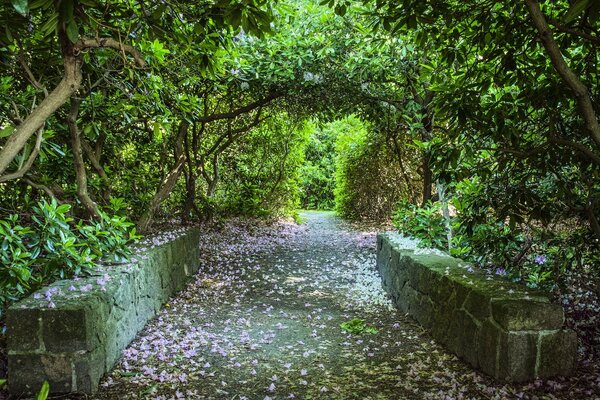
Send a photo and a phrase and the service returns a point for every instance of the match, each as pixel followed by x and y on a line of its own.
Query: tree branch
pixel 242 110
pixel 94 43
pixel 579 147
pixel 29 163
pixel 80 173
pixel 580 91
pixel 560 27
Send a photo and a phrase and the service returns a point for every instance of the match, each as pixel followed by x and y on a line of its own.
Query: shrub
pixel 533 253
pixel 424 223
pixel 317 175
pixel 368 180
pixel 48 245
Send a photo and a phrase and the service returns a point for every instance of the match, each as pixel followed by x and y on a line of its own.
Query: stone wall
pixel 506 330
pixel 73 331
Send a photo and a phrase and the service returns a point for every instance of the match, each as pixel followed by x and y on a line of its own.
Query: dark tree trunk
pixel 81 176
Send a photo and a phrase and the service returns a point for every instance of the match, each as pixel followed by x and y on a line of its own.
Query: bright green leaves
pixel 51 246
pixel 21 6
pixel 155 49
pixel 6 131
pixel 44 391
pixel 358 326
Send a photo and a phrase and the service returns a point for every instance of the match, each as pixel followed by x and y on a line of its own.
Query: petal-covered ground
pixel 262 321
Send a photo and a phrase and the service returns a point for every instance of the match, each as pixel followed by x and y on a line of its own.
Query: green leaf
pixel 39 3
pixel 23 273
pixel 89 3
pixel 73 31
pixel 7 131
pixel 44 391
pixel 576 9
pixel 357 326
pixel 22 6
pixel 50 25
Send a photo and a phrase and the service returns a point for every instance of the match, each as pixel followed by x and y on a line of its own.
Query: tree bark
pixel 168 184
pixel 426 166
pixel 397 151
pixel 80 173
pixel 27 164
pixel 580 91
pixel 94 160
pixel 69 84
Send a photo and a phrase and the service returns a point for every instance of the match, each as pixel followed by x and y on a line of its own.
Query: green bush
pixel 49 245
pixel 317 175
pixel 532 253
pixel 368 179
pixel 424 223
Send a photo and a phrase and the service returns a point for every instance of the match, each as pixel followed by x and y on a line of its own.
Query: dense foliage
pixel 368 179
pixel 318 172
pixel 48 245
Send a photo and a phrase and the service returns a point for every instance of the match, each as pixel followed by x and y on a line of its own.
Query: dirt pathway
pixel 262 321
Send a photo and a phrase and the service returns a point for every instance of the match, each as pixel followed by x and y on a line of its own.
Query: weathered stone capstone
pixel 72 332
pixel 506 330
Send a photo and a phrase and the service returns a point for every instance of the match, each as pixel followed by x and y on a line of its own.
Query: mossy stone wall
pixel 73 331
pixel 506 330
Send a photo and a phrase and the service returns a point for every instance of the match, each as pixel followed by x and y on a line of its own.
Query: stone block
pixel 409 298
pixel 424 311
pixel 72 344
pixel 557 353
pixel 524 315
pixel 383 253
pixel 443 314
pixel 88 370
pixel 29 371
pixel 65 329
pixel 441 290
pixel 477 304
pixel 463 336
pixel 24 327
pixel 399 279
pixel 517 356
pixel 488 347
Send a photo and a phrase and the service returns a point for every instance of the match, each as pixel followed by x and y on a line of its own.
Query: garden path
pixel 262 321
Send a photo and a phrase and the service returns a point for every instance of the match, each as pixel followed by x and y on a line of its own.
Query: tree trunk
pixel 190 196
pixel 427 179
pixel 94 160
pixel 580 91
pixel 445 211
pixel 399 156
pixel 168 184
pixel 427 136
pixel 69 84
pixel 81 176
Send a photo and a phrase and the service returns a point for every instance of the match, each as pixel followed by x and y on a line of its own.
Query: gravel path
pixel 262 321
